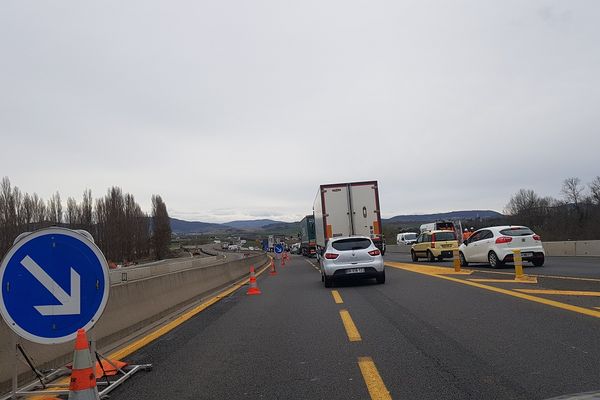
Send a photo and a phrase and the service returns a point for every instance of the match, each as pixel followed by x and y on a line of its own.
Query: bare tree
pixel 595 190
pixel 161 227
pixel 55 209
pixel 526 201
pixel 86 211
pixel 572 191
pixel 72 215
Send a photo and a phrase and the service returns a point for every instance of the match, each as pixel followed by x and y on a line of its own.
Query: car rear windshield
pixel 521 231
pixel 410 236
pixel 351 244
pixel 444 236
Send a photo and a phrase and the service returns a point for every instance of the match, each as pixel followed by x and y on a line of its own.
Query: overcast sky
pixel 239 109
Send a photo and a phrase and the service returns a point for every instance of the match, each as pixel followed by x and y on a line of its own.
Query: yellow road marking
pixel 552 303
pixel 336 297
pixel 138 344
pixel 561 292
pixel 375 385
pixel 430 269
pixel 351 329
pixel 533 280
pixel 145 340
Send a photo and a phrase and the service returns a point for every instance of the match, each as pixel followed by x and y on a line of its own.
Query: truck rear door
pixel 365 210
pixel 336 211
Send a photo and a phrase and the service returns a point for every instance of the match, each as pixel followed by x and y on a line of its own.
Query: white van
pixel 407 238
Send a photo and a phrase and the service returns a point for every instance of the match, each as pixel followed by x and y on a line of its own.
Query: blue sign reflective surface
pixel 54 281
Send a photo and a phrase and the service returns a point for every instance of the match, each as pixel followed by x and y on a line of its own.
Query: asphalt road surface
pixel 584 267
pixel 424 334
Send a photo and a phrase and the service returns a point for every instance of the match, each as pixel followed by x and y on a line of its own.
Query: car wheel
pixel 538 262
pixel 493 260
pixel 381 277
pixel 413 256
pixel 463 260
pixel 430 256
pixel 327 281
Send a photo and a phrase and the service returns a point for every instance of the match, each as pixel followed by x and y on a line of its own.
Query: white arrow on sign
pixel 69 304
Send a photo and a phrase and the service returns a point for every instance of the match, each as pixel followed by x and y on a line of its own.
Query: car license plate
pixel 446 245
pixel 355 270
pixel 527 254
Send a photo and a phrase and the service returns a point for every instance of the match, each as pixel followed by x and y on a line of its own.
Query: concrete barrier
pixel 132 305
pixel 589 248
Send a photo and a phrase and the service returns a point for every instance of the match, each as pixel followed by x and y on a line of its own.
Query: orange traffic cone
pixel 273 270
pixel 83 379
pixel 253 289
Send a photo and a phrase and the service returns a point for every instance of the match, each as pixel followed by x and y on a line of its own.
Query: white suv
pixel 495 246
pixel 351 257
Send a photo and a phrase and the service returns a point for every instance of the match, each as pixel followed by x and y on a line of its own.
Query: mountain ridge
pixel 265 225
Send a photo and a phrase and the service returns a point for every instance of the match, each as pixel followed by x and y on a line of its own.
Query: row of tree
pixel 575 216
pixel 119 226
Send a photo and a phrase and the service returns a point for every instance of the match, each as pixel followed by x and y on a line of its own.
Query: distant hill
pixel 251 224
pixel 452 215
pixel 266 226
pixel 181 226
pixel 269 226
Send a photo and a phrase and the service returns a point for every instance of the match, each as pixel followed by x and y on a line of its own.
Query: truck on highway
pixel 348 209
pixel 308 244
pixel 271 243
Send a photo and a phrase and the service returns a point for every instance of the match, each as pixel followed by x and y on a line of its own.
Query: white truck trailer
pixel 348 209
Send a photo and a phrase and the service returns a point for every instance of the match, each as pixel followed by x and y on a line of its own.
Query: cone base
pixel 253 291
pixel 272 273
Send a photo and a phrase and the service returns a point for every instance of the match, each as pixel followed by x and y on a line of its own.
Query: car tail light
pixel 375 252
pixel 503 239
pixel 331 256
pixel 537 238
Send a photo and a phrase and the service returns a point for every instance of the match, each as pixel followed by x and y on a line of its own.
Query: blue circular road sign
pixel 54 282
pixel 278 248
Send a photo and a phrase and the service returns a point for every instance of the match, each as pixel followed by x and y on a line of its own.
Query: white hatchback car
pixel 352 257
pixel 495 246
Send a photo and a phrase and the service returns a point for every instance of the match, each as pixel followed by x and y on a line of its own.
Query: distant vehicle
pixel 224 246
pixel 495 246
pixel 406 238
pixel 308 241
pixel 347 209
pixel 296 248
pixel 354 257
pixel 434 245
pixel 233 247
pixel 217 241
pixel 438 226
pixel 271 242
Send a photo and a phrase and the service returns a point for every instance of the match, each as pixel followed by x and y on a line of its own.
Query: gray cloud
pixel 241 109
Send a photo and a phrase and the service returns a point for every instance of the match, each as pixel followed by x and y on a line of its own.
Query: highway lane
pixel 582 267
pixel 428 338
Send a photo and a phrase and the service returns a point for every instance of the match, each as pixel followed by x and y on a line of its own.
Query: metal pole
pixel 15 377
